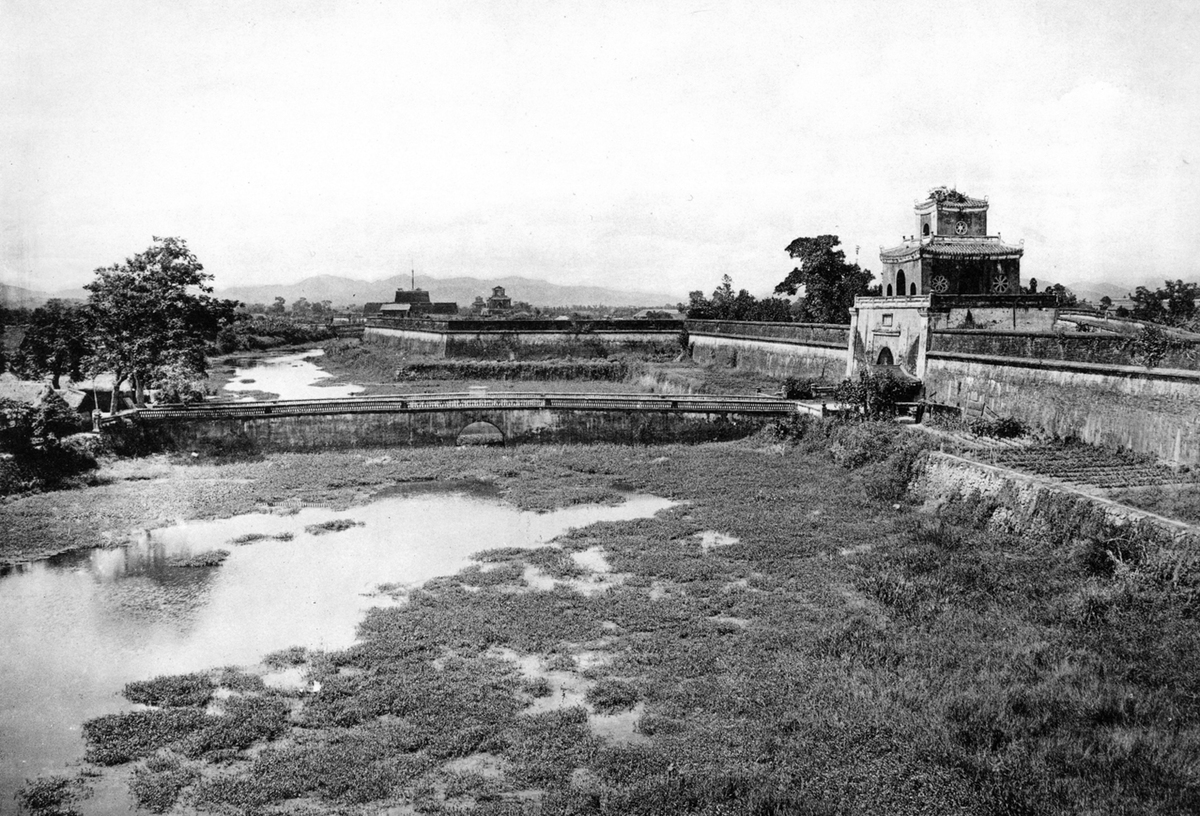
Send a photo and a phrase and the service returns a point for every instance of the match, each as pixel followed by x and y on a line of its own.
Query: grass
pixel 891 661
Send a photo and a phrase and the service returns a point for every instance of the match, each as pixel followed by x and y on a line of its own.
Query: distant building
pixel 499 302
pixel 409 303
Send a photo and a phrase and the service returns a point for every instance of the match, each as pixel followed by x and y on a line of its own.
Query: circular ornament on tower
pixel 960 228
pixel 940 284
pixel 1000 283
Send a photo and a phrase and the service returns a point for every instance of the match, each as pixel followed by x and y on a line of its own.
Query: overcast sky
pixel 642 145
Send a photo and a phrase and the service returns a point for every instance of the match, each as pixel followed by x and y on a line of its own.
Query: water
pixel 78 627
pixel 289 376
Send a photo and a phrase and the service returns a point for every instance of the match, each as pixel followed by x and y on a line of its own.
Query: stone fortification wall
pixel 1154 411
pixel 1078 347
pixel 773 358
pixel 815 351
pixel 517 341
pixel 1030 505
pixel 386 429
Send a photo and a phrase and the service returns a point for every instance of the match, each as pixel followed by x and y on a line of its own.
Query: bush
pixel 51 796
pixel 612 696
pixel 796 388
pixel 179 384
pixel 875 396
pixel 171 691
pixel 855 444
pixel 156 785
pixel 998 428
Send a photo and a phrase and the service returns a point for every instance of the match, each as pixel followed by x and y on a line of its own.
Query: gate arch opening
pixel 480 433
pixel 885 357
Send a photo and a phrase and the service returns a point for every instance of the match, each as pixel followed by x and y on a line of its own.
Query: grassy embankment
pixel 833 654
pixel 376 366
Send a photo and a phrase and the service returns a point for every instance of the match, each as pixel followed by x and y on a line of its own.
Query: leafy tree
pixel 154 310
pixel 830 284
pixel 301 306
pixel 277 306
pixel 57 339
pixel 1106 302
pixel 1065 296
pixel 1147 305
pixel 725 305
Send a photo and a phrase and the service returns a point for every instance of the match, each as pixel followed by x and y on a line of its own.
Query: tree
pixel 56 342
pixel 830 284
pixel 277 306
pixel 154 310
pixel 1065 296
pixel 1173 303
pixel 1106 303
pixel 725 305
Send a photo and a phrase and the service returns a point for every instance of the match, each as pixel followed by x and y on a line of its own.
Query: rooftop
pixel 989 246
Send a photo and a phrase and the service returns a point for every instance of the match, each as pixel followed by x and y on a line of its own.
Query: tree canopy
pixel 154 310
pixel 725 305
pixel 57 339
pixel 830 284
pixel 1173 303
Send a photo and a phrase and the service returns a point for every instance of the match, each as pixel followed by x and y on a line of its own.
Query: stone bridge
pixel 444 419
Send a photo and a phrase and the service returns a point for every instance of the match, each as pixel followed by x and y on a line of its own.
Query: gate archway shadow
pixel 480 433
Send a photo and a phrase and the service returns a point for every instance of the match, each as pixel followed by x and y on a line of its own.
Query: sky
pixel 640 145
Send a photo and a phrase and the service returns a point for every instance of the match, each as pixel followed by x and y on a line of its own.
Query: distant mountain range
pixel 345 291
pixel 349 291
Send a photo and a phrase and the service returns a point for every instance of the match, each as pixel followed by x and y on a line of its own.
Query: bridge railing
pixel 453 401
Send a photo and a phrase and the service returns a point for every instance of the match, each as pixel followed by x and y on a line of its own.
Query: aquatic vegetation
pixel 171 690
pixel 212 558
pixel 52 795
pixel 332 526
pixel 157 782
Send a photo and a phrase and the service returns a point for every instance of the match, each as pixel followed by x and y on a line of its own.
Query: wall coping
pixel 1110 369
pixel 1087 336
pixel 840 326
pixel 783 341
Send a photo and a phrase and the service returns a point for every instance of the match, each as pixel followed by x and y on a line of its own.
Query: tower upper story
pixel 952 214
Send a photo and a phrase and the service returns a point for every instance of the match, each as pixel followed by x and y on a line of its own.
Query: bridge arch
pixel 480 432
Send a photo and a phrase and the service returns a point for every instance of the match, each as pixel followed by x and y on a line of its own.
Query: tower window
pixel 889 290
pixel 925 229
pixel 887 320
pixel 912 288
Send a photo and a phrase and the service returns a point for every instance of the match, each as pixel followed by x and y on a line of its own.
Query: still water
pixel 287 376
pixel 76 628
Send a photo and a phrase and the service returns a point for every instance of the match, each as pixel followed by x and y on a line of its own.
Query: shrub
pixel 875 396
pixel 611 696
pixel 157 783
pixel 998 428
pixel 890 479
pixel 179 384
pixel 796 388
pixel 170 691
pixel 855 444
pixel 115 739
pixel 51 796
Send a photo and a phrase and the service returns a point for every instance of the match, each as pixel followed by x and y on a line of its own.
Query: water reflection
pixel 287 376
pixel 78 627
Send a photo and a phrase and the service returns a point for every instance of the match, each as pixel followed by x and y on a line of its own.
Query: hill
pixel 463 290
